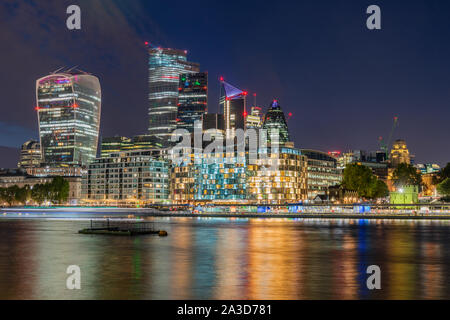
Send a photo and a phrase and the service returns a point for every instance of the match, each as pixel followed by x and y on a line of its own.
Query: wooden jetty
pixel 122 228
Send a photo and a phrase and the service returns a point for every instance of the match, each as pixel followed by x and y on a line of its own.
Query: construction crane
pixel 386 144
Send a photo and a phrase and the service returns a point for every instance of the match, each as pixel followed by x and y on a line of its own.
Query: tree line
pixel 443 182
pixel 360 178
pixel 56 191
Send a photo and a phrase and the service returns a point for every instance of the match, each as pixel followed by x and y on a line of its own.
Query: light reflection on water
pixel 209 258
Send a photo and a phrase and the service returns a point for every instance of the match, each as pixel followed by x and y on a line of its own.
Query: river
pixel 227 258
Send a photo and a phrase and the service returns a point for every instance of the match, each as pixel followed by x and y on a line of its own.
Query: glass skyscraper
pixel 192 100
pixel 68 107
pixel 233 103
pixel 165 68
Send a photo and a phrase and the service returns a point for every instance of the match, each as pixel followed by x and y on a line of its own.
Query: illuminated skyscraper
pixel 254 119
pixel 30 155
pixel 192 100
pixel 68 107
pixel 165 68
pixel 275 120
pixel 233 103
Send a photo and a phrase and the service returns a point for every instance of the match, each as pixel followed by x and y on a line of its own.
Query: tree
pixel 381 190
pixel 444 187
pixel 4 195
pixel 59 190
pixel 443 174
pixel 22 195
pixel 40 193
pixel 361 179
pixel 406 175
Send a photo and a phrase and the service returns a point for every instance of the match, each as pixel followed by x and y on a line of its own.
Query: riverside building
pixel 278 178
pixel 322 172
pixel 127 178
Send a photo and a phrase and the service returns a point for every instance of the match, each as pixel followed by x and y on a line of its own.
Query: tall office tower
pixel 192 100
pixel 275 120
pixel 399 153
pixel 30 155
pixel 254 119
pixel 165 68
pixel 233 103
pixel 69 107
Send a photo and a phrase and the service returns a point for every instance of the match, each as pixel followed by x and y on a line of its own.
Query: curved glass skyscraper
pixel 68 107
pixel 275 120
pixel 165 68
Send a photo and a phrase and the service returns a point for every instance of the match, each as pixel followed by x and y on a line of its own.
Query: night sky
pixel 343 83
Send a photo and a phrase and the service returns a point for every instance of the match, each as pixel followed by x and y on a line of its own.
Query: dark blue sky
pixel 343 82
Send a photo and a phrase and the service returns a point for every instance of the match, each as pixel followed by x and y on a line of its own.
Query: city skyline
pixel 338 120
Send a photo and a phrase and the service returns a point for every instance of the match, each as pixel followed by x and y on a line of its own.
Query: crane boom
pixel 386 144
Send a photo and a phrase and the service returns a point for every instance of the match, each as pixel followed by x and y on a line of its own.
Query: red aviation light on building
pixel 245 114
pixel 221 79
pixel 146 43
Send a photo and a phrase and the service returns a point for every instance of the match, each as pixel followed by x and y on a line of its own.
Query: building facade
pixel 142 142
pixel 22 179
pixel 399 153
pixel 254 119
pixel 278 178
pixel 165 68
pixel 275 124
pixel 322 172
pixel 114 145
pixel 30 155
pixel 127 178
pixel 233 104
pixel 192 101
pixel 68 107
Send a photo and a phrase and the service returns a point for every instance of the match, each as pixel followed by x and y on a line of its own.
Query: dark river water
pixel 228 259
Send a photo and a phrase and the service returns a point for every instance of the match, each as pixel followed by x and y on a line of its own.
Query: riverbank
pixel 308 216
